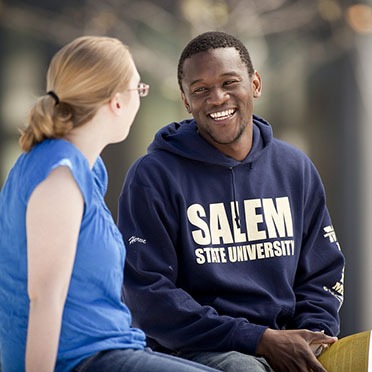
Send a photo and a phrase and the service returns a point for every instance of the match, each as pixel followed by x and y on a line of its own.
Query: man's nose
pixel 217 96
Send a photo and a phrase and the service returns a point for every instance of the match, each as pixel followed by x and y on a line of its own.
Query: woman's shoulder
pixel 51 154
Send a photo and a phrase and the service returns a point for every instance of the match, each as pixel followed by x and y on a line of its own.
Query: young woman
pixel 61 255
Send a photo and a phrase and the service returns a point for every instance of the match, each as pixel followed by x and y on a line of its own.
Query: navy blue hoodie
pixel 218 250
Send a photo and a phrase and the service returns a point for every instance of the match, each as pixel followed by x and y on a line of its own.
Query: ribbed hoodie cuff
pixel 246 337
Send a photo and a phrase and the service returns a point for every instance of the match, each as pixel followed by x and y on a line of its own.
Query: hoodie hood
pixel 177 137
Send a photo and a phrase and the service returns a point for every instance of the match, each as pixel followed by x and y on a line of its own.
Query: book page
pixel 349 354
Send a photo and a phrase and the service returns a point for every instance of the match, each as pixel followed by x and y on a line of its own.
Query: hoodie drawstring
pixel 236 211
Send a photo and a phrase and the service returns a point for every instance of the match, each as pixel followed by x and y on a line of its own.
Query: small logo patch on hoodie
pixel 136 239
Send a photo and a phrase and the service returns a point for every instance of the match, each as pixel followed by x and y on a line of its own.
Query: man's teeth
pixel 222 115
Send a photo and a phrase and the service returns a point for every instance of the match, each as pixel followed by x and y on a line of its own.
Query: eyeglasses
pixel 143 89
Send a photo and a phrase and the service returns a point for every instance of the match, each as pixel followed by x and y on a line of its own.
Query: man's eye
pixel 231 82
pixel 199 90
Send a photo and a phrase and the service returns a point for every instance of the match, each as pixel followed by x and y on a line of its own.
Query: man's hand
pixel 291 351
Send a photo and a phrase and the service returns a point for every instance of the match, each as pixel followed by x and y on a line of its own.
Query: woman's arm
pixel 53 221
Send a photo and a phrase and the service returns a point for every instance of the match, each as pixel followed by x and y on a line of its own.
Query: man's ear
pixel 256 84
pixel 186 104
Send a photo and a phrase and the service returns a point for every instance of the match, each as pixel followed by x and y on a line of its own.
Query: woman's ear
pixel 116 103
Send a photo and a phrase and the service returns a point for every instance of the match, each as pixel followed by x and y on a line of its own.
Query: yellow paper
pixel 348 354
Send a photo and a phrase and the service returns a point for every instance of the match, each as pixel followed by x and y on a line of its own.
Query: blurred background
pixel 314 57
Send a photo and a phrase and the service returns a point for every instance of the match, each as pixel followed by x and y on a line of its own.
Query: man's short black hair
pixel 213 40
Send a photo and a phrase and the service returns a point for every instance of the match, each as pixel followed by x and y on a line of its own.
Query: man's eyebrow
pixel 230 73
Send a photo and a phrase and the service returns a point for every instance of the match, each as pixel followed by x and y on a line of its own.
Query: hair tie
pixel 54 95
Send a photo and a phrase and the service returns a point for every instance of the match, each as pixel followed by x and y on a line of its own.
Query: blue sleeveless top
pixel 94 316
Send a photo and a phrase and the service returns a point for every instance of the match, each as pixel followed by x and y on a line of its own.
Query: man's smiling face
pixel 219 92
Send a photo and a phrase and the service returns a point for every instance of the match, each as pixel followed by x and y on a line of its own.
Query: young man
pixel 232 258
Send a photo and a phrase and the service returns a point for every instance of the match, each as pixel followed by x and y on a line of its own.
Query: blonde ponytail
pixel 45 120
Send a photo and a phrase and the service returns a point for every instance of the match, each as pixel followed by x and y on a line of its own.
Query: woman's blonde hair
pixel 82 76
